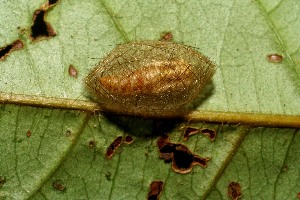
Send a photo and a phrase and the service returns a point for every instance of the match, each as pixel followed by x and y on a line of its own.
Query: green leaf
pixel 59 152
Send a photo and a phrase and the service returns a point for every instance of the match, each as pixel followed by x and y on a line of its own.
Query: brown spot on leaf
pixel 72 71
pixel 166 36
pixel 156 188
pixel 92 144
pixel 197 160
pixel 189 131
pixel 68 133
pixel 276 58
pixel 108 176
pixel 113 147
pixel 58 185
pixel 22 31
pixel 298 195
pixel 181 157
pixel 210 133
pixel 2 180
pixel 234 191
pixel 5 51
pixel 28 133
pixel 128 139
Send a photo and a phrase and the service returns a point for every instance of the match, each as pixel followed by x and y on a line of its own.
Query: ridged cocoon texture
pixel 149 78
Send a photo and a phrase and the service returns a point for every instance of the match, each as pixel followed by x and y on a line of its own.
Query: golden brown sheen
pixel 149 78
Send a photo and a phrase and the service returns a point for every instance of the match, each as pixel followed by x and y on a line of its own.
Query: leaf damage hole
pixel 234 191
pixel 41 29
pixel 113 147
pixel 5 51
pixel 156 188
pixel 72 71
pixel 181 157
pixel 189 131
pixel 166 36
pixel 212 134
pixel 52 2
pixel 275 58
pixel 128 139
pixel 59 185
pixel 48 4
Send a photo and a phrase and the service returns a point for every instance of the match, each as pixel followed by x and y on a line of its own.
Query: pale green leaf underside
pixel 237 35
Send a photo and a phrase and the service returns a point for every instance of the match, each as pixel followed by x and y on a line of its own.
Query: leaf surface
pixel 40 146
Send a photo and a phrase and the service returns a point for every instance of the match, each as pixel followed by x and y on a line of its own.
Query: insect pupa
pixel 149 78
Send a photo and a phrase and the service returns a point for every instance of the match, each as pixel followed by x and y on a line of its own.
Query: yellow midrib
pixel 252 119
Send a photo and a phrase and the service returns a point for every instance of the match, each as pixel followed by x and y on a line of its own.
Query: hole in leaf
pixel 113 147
pixel 128 139
pixel 156 188
pixel 5 51
pixel 210 133
pixel 52 2
pixel 181 157
pixel 40 27
pixel 189 131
